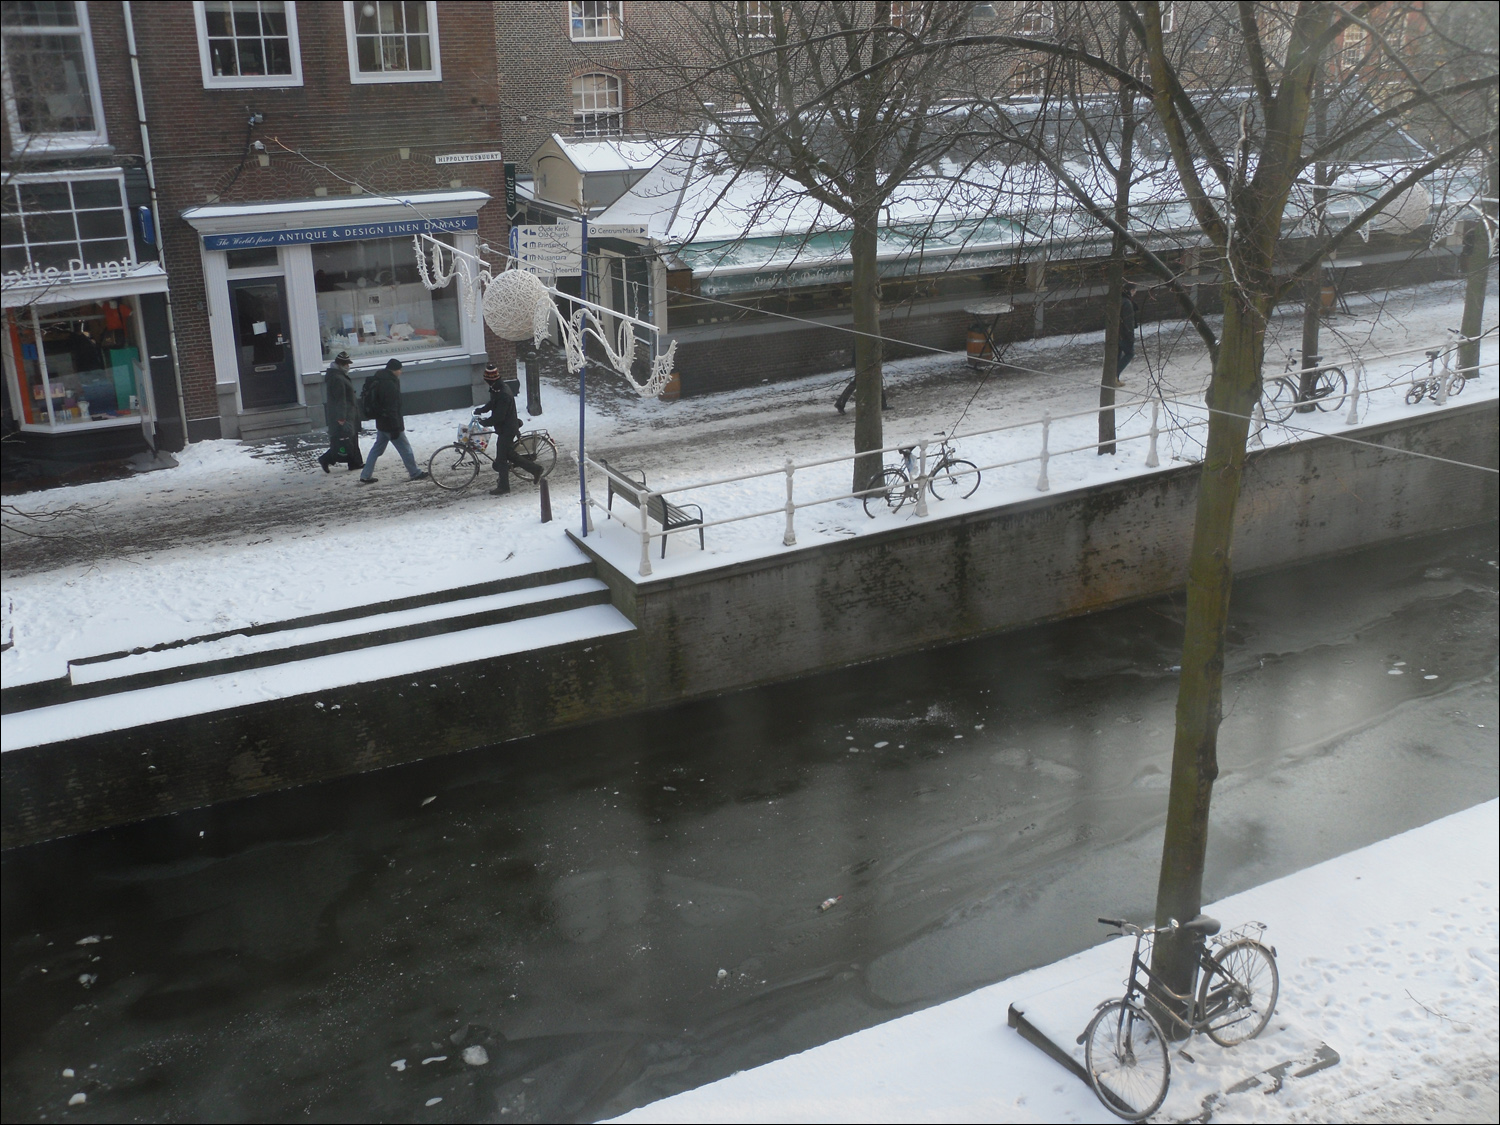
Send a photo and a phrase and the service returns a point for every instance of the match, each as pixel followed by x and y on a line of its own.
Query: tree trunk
pixel 1114 273
pixel 1195 766
pixel 864 300
pixel 1473 322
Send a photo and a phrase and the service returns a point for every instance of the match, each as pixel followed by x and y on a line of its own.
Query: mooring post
pixel 1442 387
pixel 1041 480
pixel 1257 424
pixel 1151 461
pixel 922 482
pixel 790 538
pixel 645 499
pixel 1353 418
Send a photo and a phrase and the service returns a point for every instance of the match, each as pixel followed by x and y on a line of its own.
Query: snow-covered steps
pixel 339 631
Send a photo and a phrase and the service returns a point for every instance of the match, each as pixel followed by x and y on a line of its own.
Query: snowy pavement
pixel 239 535
pixel 1388 954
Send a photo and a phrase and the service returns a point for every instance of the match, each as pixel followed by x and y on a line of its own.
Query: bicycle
pixel 950 476
pixel 454 467
pixel 1125 1049
pixel 1432 386
pixel 1283 393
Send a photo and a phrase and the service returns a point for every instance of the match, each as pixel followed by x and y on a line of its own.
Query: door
pixel 263 344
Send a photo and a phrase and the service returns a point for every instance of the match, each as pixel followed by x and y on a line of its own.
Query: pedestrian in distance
pixel 341 411
pixel 1127 330
pixel 382 401
pixel 499 413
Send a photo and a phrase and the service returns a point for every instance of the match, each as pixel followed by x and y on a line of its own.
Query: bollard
pixel 546 494
pixel 1151 461
pixel 922 482
pixel 1257 424
pixel 645 499
pixel 1442 387
pixel 790 538
pixel 1041 480
pixel 1353 418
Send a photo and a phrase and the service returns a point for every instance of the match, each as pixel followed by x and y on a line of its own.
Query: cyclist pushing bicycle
pixel 503 419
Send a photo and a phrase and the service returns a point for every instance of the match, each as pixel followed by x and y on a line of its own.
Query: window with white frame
pixel 1028 80
pixel 393 41
pixel 755 19
pixel 1033 19
pixel 1352 47
pixel 248 43
pixel 595 19
pixel 76 364
pixel 1168 18
pixel 69 223
pixel 906 15
pixel 597 107
pixel 51 87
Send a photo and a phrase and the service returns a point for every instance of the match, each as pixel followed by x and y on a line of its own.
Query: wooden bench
pixel 671 517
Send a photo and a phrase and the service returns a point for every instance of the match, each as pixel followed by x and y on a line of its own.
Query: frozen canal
pixel 570 926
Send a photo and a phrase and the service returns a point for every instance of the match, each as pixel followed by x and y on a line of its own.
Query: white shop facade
pixel 291 285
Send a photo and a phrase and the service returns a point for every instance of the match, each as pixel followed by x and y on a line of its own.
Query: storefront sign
pixel 511 203
pixel 470 158
pixel 353 232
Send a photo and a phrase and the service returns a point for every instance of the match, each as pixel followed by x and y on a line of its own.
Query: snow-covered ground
pixel 239 535
pixel 1388 955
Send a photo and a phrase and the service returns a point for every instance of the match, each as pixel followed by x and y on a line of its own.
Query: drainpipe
pixel 161 233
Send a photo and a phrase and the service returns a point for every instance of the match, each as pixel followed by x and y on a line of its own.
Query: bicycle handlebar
pixel 1116 922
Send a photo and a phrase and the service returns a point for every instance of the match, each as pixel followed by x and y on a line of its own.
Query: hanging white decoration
pixel 517 306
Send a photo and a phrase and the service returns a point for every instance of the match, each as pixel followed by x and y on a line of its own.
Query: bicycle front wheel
pixel 1331 388
pixel 1456 385
pixel 1238 995
pixel 888 492
pixel 1417 393
pixel 536 447
pixel 453 467
pixel 1126 1056
pixel 1280 400
pixel 956 478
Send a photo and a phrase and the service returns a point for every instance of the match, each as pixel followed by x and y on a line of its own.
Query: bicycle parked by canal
pixel 1283 394
pixel 454 467
pixel 1432 385
pixel 949 476
pixel 1126 1052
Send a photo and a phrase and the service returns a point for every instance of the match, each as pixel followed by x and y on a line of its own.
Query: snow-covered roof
pixel 612 154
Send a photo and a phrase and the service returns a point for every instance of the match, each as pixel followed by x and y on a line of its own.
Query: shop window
pixel 248 43
pixel 393 41
pixel 70 225
pixel 371 301
pixel 595 19
pixel 75 364
pixel 51 88
pixel 597 109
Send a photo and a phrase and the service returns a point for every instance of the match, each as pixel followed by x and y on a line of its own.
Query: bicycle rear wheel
pixel 1238 995
pixel 888 493
pixel 1331 388
pixel 955 478
pixel 1126 1056
pixel 538 447
pixel 453 467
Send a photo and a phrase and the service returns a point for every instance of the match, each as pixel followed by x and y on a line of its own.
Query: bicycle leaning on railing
pixel 1432 386
pixel 455 467
pixel 1283 393
pixel 1125 1049
pixel 950 475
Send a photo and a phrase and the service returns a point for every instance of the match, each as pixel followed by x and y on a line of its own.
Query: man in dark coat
pixel 390 424
pixel 1127 330
pixel 499 413
pixel 341 411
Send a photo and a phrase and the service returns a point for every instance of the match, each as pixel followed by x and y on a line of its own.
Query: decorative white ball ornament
pixel 517 305
pixel 1406 213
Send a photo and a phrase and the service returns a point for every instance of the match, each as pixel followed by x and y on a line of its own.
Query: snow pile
pixel 1388 954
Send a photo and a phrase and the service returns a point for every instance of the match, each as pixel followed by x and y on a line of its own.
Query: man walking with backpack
pixel 381 400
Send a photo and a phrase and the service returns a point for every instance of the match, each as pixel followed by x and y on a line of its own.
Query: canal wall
pixel 673 638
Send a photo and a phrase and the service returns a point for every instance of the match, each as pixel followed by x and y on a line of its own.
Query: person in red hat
pixel 499 413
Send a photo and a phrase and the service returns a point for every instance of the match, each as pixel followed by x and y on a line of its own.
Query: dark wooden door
pixel 263 342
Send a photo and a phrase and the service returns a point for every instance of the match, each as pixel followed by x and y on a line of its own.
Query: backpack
pixel 367 404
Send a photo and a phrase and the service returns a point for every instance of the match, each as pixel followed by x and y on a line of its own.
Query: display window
pixel 371 301
pixel 75 364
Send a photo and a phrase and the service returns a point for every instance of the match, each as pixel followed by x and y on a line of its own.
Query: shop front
pixel 84 319
pixel 291 285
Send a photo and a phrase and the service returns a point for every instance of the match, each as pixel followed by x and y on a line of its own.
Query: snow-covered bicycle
pixel 1126 1052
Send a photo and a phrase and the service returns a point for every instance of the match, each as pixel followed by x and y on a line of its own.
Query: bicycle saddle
pixel 1203 925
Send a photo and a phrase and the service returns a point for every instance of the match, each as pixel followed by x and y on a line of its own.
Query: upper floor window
pixel 51 88
pixel 248 43
pixel 58 222
pixel 1033 19
pixel 1168 18
pixel 1028 80
pixel 906 15
pixel 1353 46
pixel 755 19
pixel 595 19
pixel 597 107
pixel 393 41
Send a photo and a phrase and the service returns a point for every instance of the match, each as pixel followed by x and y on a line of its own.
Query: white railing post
pixel 790 538
pixel 1041 481
pixel 645 499
pixel 1353 418
pixel 1151 460
pixel 922 482
pixel 1257 426
pixel 1442 387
